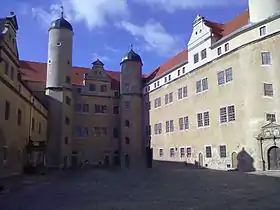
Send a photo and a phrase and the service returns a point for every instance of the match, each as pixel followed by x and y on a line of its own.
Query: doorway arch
pixel 234 162
pixel 273 156
pixel 200 160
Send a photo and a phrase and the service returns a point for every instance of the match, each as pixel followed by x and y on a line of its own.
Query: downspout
pixel 263 162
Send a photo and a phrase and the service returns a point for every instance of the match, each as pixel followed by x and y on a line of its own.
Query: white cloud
pixel 173 5
pixel 94 13
pixel 155 37
pixel 111 49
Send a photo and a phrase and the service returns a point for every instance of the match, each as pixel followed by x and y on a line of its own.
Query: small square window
pixel 270 117
pixel 219 51
pixel 263 31
pixel 226 47
pixel 203 54
pixel 196 58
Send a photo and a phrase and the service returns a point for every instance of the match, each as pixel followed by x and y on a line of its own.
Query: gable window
pixel 208 151
pixel 223 151
pixel 103 88
pixel 92 87
pixel 268 89
pixel 203 54
pixel 226 47
pixel 19 117
pixel 227 114
pixel 270 117
pixel 182 152
pixel 225 76
pixel 196 58
pixel 263 31
pixel 202 85
pixel 7 110
pixel 219 50
pixel 266 58
pixel 161 152
pixel 172 152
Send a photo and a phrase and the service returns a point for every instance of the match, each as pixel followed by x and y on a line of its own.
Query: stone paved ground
pixel 173 187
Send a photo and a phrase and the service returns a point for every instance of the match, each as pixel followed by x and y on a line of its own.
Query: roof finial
pixel 131 46
pixel 62 11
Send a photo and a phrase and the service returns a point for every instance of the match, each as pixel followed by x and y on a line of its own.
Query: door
pixel 274 158
pixel 234 160
pixel 200 160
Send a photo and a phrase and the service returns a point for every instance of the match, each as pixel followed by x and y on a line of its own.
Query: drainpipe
pixel 263 162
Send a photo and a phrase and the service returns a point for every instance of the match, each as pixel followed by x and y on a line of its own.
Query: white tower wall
pixel 262 9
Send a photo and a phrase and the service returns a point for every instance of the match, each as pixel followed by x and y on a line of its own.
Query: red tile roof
pixel 37 72
pixel 34 71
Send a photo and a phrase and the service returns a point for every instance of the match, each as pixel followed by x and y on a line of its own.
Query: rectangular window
pixel 183 70
pixel 268 89
pixel 160 152
pixel 68 80
pixel 103 88
pixel 116 110
pixel 196 58
pixel 185 91
pixel 225 76
pixel 182 152
pixel 67 121
pixel 100 109
pixel 68 100
pixel 263 31
pixel 7 110
pixel 204 84
pixel 228 73
pixel 221 77
pixel 189 152
pixel 157 102
pixel 99 131
pixel 179 72
pixel 186 123
pixel 81 132
pixel 219 51
pixel 226 47
pixel 165 79
pixel 115 133
pixel 206 119
pixel 78 107
pixel 172 152
pixel 231 113
pixel 265 58
pixel 199 120
pixel 180 93
pixel 227 114
pixel 5 154
pixel 171 125
pixel 155 85
pixel 223 151
pixel 19 117
pixel 92 87
pixel 223 115
pixel 167 126
pixel 170 97
pixel 181 124
pixel 85 108
pixel 166 98
pixel 270 117
pixel 203 54
pixel 198 86
pixel 208 152
pixel 169 77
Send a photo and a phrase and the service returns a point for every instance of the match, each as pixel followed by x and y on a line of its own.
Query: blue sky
pixel 158 29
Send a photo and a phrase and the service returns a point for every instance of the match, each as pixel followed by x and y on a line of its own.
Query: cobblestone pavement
pixel 160 188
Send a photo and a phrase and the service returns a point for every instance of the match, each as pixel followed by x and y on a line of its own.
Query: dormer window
pixel 196 58
pixel 219 51
pixel 226 47
pixel 169 77
pixel 165 79
pixel 203 54
pixel 263 31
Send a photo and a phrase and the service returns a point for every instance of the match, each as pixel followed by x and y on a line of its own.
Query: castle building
pixel 214 104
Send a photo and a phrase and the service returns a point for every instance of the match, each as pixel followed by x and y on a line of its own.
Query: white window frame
pixel 222 145
pixel 206 151
pixel 263 31
pixel 188 147
pixel 270 59
pixel 170 152
pixel 184 152
pixel 159 150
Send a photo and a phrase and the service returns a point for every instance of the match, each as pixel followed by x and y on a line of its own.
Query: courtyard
pixel 166 186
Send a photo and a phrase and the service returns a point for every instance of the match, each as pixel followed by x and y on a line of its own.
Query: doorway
pixel 234 162
pixel 200 160
pixel 274 158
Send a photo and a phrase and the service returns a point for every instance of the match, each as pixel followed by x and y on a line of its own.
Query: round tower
pixel 59 54
pixel 261 9
pixel 131 142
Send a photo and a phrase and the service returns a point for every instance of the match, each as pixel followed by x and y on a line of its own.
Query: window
pixel 270 117
pixel 223 151
pixel 227 114
pixel 158 128
pixel 127 86
pixel 127 140
pixel 99 131
pixel 208 152
pixel 100 109
pixel 199 120
pixel 66 140
pixel 169 126
pixel 184 123
pixel 203 54
pixel 225 76
pixel 169 77
pixel 148 105
pixel 226 47
pixel 183 70
pixel 67 121
pixel 180 93
pixel 126 123
pixel 116 93
pixel 185 91
pixel 116 110
pixel 157 83
pixel 12 73
pixel 7 110
pixel 157 102
pixel 170 97
pixel 195 58
pixel 165 79
pixel 115 133
pixel 262 30
pixel 161 152
pixel 266 58
pixel 203 119
pixel 126 105
pixel 179 72
pixel 5 153
pixel 68 100
pixel 32 124
pixel 166 98
pixel 268 89
pixel 221 77
pixel 189 152
pixel 39 127
pixel 172 152
pixel 228 73
pixel 68 80
pixel 206 119
pixel 219 50
pixel 85 108
pixel 103 88
pixel 92 87
pixel 19 117
pixel 202 85
pixel 81 132
pixel 182 152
